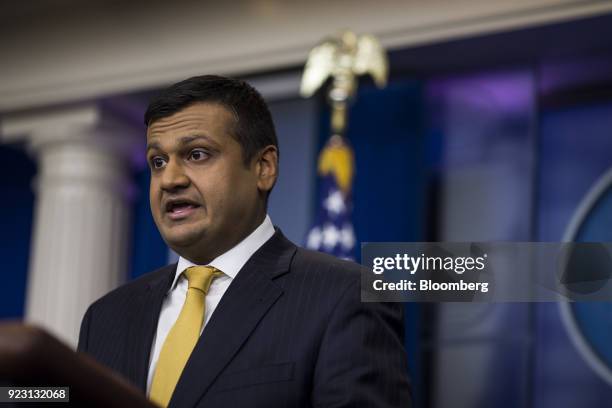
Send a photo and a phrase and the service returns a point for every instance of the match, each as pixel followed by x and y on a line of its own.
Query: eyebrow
pixel 182 141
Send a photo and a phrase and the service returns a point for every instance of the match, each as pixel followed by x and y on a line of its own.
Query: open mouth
pixel 180 209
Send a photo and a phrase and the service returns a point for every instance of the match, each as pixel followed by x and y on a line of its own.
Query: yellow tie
pixel 183 336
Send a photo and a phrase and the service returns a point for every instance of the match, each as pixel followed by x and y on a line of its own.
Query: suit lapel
pixel 243 305
pixel 144 324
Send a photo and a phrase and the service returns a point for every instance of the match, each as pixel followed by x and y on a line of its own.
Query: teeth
pixel 174 206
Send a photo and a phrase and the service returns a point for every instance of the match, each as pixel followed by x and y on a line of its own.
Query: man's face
pixel 204 199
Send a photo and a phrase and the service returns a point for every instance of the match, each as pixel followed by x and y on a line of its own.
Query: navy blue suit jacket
pixel 290 331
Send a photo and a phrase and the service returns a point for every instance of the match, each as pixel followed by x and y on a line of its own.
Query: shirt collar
pixel 233 260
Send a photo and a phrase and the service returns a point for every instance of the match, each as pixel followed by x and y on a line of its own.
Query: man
pixel 245 318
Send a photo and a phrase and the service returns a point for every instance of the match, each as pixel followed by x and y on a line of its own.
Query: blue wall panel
pixel 576 149
pixel 149 251
pixel 16 175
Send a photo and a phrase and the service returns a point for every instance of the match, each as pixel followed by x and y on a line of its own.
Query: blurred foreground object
pixel 343 58
pixel 29 356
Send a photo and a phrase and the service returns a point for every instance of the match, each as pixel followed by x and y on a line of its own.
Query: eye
pixel 157 162
pixel 198 155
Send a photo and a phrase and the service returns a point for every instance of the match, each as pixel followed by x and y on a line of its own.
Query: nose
pixel 174 177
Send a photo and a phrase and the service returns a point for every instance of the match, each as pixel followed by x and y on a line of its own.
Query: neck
pixel 204 257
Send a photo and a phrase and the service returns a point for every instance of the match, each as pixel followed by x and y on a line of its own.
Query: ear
pixel 267 168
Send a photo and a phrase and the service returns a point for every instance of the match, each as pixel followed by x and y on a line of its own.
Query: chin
pixel 178 240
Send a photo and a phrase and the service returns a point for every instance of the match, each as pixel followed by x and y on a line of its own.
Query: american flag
pixel 332 231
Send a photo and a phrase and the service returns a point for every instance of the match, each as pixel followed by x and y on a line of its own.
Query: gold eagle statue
pixel 343 58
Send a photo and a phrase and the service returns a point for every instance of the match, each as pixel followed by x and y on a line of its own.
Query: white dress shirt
pixel 229 263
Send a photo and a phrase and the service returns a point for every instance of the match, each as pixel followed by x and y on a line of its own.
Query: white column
pixel 82 214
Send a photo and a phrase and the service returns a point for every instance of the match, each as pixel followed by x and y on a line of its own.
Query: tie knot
pixel 200 277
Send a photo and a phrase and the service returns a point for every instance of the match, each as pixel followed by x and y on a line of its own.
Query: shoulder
pixel 126 292
pixel 336 283
pixel 308 259
pixel 307 267
pixel 328 270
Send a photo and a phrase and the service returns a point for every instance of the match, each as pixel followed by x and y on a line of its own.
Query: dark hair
pixel 253 128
